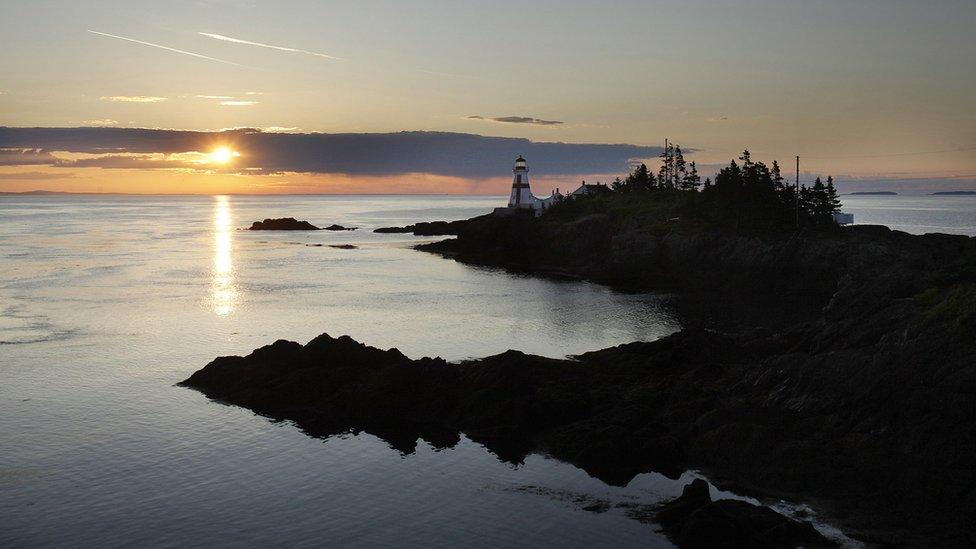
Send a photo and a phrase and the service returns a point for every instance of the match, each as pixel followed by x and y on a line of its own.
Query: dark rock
pixel 868 403
pixel 339 228
pixel 693 520
pixel 282 224
pixel 432 228
pixel 344 246
pixel 673 515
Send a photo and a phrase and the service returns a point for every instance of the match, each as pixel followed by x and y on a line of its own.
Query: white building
pixel 521 197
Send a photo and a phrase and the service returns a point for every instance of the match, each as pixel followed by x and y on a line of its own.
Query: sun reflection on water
pixel 223 291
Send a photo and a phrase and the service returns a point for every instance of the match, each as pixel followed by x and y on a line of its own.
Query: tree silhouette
pixel 691 180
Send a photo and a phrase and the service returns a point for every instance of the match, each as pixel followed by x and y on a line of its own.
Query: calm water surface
pixel 915 214
pixel 107 301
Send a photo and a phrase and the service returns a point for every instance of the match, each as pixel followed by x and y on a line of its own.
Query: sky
pixel 878 93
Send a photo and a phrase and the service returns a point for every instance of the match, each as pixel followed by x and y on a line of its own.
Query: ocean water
pixel 107 301
pixel 915 214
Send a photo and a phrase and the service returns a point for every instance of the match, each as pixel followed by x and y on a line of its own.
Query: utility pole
pixel 797 221
pixel 667 167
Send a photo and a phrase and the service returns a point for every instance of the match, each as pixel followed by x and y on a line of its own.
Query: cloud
pixel 25 157
pixel 141 161
pixel 238 103
pixel 134 99
pixel 516 120
pixel 214 96
pixel 35 176
pixel 167 48
pixel 102 122
pixel 380 154
pixel 269 46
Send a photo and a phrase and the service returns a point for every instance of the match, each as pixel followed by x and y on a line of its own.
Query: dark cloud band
pixel 452 154
pixel 517 120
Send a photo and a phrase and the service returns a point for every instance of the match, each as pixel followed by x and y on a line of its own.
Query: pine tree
pixel 618 185
pixel 806 202
pixel 746 159
pixel 818 202
pixel 680 168
pixel 691 181
pixel 708 183
pixel 777 176
pixel 665 176
pixel 832 203
pixel 640 179
pixel 729 177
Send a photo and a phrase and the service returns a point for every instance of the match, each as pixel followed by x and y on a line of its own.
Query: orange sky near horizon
pixel 168 181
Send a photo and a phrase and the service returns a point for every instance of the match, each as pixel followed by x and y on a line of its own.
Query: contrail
pixel 259 44
pixel 167 48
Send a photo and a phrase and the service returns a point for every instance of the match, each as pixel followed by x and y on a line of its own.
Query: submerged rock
pixel 282 224
pixel 694 521
pixel 344 246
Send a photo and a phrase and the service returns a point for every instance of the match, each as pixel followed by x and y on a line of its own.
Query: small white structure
pixel 842 218
pixel 588 190
pixel 522 198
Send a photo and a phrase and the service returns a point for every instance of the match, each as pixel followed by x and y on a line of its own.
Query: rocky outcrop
pixel 694 521
pixel 432 228
pixel 339 228
pixel 867 406
pixel 282 224
pixel 874 417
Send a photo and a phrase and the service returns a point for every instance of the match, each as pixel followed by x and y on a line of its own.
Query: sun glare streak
pixel 223 291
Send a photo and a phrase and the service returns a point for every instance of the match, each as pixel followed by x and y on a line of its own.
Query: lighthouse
pixel 521 196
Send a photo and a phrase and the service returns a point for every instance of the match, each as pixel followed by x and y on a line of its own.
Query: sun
pixel 223 155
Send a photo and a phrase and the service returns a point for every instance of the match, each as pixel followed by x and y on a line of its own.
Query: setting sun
pixel 223 155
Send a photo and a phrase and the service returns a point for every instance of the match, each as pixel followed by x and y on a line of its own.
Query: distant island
pixel 954 193
pixel 873 193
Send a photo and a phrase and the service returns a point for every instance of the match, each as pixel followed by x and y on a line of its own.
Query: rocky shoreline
pixel 866 405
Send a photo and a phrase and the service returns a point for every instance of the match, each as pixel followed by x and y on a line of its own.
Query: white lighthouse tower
pixel 521 196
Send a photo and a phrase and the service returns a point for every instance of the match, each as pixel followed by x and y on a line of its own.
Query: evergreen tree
pixel 618 185
pixel 832 204
pixel 691 181
pixel 729 178
pixel 640 180
pixel 777 177
pixel 708 184
pixel 680 167
pixel 746 159
pixel 819 207
pixel 665 176
pixel 806 202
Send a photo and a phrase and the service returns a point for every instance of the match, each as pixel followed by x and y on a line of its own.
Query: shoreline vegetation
pixel 832 365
